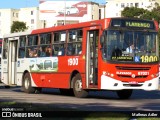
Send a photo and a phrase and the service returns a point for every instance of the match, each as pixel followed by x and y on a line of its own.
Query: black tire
pixel 66 92
pixel 38 90
pixel 7 87
pixel 77 87
pixel 26 84
pixel 124 94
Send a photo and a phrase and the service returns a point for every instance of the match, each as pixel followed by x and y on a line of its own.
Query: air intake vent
pixel 129 85
pixel 132 68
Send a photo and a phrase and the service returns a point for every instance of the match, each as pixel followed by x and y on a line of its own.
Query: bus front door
pixel 12 60
pixel 92 57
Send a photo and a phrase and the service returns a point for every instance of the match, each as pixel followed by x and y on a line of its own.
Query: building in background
pixel 49 13
pixel 31 17
pixel 115 7
pixel 53 13
pixel 28 15
pixel 67 12
pixel 7 16
pixel 102 12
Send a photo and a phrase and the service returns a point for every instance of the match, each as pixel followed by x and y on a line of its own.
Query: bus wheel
pixel 66 92
pixel 26 84
pixel 6 86
pixel 124 94
pixel 77 87
pixel 38 90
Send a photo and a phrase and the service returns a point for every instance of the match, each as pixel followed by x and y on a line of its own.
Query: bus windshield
pixel 130 46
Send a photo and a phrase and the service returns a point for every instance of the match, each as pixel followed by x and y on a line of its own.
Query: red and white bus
pixel 85 56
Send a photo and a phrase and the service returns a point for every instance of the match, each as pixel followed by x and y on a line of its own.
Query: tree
pixel 18 26
pixel 133 12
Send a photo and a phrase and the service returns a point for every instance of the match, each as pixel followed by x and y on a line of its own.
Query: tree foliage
pixel 18 26
pixel 133 12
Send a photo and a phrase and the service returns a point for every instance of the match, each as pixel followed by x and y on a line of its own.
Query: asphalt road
pixel 96 101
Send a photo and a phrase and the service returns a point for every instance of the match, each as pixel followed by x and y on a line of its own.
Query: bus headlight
pixel 112 75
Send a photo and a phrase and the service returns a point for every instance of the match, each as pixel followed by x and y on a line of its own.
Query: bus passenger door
pixel 92 57
pixel 12 60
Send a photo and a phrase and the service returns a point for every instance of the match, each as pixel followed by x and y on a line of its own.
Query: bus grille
pixel 126 76
pixel 129 85
pixel 132 68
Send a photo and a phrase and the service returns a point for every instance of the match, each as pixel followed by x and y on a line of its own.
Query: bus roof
pixel 71 26
pixel 104 23
pixel 17 34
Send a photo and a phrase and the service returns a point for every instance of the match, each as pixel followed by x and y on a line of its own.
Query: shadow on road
pixel 137 94
pixel 95 102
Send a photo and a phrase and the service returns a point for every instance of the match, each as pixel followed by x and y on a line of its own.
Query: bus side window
pixel 70 49
pixel 79 45
pixel 48 51
pixel 58 47
pixel 22 45
pixel 41 52
pixel 54 50
pixel 79 49
pixel 29 52
pixel 5 48
pixel 21 53
pixel 45 45
pixel 5 52
pixel 74 46
pixel 32 47
pixel 61 50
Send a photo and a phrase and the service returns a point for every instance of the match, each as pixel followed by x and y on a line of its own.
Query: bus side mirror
pixel 102 40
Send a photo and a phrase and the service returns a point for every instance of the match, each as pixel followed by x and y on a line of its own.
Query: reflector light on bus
pixel 152 75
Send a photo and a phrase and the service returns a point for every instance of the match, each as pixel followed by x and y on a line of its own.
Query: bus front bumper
pixel 109 83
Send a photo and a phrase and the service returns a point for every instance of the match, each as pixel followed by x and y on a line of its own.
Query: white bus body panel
pixel 108 83
pixel 4 71
pixel 22 66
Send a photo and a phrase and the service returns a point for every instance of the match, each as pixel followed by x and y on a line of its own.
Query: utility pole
pixel 105 9
pixel 64 12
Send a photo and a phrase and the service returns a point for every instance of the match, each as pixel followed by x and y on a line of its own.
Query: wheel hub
pixel 78 85
pixel 26 83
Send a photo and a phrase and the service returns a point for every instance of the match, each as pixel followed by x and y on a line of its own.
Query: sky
pixel 28 3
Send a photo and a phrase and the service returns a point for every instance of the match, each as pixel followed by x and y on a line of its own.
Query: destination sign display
pixel 136 23
pixel 123 58
pixel 143 59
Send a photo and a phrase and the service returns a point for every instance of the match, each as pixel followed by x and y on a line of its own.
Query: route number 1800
pixel 149 58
